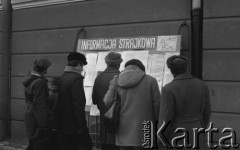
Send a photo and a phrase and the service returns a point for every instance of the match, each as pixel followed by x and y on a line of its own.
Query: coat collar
pixel 72 69
pixel 183 76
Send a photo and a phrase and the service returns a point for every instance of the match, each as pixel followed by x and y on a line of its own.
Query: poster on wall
pixel 153 51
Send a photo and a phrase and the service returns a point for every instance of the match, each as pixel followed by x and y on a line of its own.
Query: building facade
pixel 51 29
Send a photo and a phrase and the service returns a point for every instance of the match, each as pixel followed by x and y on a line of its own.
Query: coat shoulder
pixel 150 78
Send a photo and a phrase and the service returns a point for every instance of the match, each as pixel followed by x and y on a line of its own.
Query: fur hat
pixel 77 57
pixel 177 64
pixel 113 58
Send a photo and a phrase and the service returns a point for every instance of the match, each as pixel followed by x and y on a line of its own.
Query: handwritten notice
pixel 88 95
pixel 155 63
pixel 140 55
pixel 168 43
pixel 91 73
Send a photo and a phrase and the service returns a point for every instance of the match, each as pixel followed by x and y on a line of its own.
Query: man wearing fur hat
pixel 113 61
pixel 74 134
pixel 185 103
pixel 36 94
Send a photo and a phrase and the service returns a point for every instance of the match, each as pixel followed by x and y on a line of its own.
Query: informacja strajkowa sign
pixel 159 43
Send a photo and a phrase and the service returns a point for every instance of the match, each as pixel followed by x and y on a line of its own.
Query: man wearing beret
pixel 101 84
pixel 74 134
pixel 36 94
pixel 185 103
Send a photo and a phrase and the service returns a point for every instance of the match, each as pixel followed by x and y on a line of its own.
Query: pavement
pixel 8 146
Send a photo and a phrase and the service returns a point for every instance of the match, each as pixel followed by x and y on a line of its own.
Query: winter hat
pixel 77 57
pixel 113 58
pixel 42 62
pixel 177 64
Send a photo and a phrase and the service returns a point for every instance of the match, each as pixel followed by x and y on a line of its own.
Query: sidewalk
pixel 7 146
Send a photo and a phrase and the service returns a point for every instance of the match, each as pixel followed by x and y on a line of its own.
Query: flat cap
pixel 177 64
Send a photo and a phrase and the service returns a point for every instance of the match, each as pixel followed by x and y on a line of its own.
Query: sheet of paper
pixel 160 86
pixel 167 55
pixel 90 70
pixel 101 65
pixel 88 95
pixel 155 63
pixel 94 111
pixel 168 43
pixel 168 77
pixel 140 55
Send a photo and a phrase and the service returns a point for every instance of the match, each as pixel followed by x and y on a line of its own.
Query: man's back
pixel 71 103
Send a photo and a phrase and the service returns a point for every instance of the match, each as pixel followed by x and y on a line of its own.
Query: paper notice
pixel 88 95
pixel 168 77
pixel 101 65
pixel 90 70
pixel 140 55
pixel 155 63
pixel 94 111
pixel 168 43
pixel 167 55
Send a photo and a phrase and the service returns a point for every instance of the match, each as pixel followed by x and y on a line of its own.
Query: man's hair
pixel 135 62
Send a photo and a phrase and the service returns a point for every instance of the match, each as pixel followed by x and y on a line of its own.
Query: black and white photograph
pixel 119 74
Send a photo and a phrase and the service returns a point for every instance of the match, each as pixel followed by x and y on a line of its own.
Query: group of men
pixel 183 102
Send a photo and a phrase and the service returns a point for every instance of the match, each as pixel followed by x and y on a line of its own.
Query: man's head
pixel 41 65
pixel 177 64
pixel 75 59
pixel 135 62
pixel 113 59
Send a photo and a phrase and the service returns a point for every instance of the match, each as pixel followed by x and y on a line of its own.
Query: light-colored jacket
pixel 140 98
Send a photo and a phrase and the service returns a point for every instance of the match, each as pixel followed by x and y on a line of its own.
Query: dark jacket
pixel 36 94
pixel 185 102
pixel 100 88
pixel 72 102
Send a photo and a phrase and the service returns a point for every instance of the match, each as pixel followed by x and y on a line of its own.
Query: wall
pixel 221 62
pixel 51 32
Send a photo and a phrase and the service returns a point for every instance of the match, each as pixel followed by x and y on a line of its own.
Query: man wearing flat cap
pixel 100 88
pixel 36 95
pixel 185 103
pixel 73 130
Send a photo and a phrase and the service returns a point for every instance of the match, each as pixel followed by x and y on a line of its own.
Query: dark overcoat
pixel 100 88
pixel 71 107
pixel 36 94
pixel 185 103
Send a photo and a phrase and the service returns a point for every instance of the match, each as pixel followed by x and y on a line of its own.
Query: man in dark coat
pixel 185 103
pixel 113 61
pixel 36 94
pixel 74 134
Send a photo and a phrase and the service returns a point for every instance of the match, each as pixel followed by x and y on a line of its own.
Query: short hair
pixel 135 62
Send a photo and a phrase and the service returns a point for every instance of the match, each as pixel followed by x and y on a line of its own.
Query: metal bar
pixel 5 66
pixel 196 41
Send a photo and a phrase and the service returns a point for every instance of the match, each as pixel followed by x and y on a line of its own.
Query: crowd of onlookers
pixel 57 111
